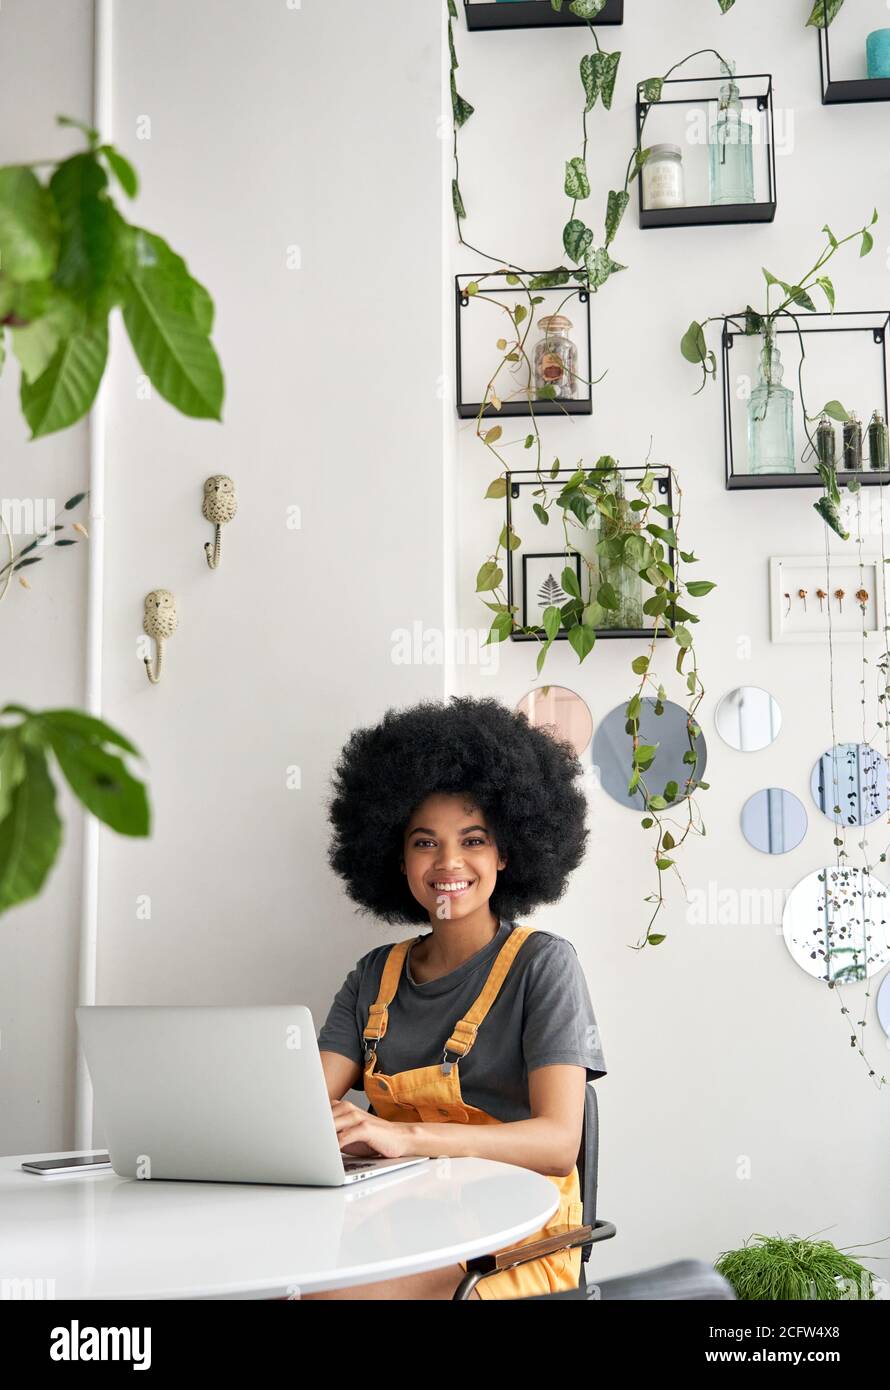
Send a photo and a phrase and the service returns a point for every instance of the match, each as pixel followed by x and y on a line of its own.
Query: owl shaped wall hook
pixel 159 621
pixel 219 506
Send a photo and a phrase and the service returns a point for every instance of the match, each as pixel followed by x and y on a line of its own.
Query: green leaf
pixel 551 620
pixel 72 123
pixel 828 289
pixel 489 577
pixel 122 169
pixel 462 110
pixel 581 640
pixel 29 234
pixel 683 636
pixel 577 184
pixel 699 587
pixel 569 582
pixel 500 628
pixel 820 8
pixel 456 200
pixel 651 89
pixel 835 410
pixel 586 9
pixel 36 344
pixel 615 206
pixel 831 237
pixel 541 514
pixel 868 242
pixel 493 435
pixel 656 938
pixel 84 726
pixel 799 296
pixel 163 316
pixel 693 345
pixel 64 392
pixel 497 488
pixel 88 258
pixel 829 514
pixel 724 6
pixel 12 768
pixel 576 238
pixel 101 782
pixel 640 665
pixel 599 267
pixel 549 279
pixel 30 833
pixel 607 598
pixel 606 67
pixel 590 78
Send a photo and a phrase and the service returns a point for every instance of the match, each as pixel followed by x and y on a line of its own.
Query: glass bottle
pixel 620 573
pixel 853 444
pixel 731 158
pixel 878 443
pixel 556 359
pixel 771 414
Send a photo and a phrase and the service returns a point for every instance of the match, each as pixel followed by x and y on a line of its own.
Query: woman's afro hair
pixel 522 779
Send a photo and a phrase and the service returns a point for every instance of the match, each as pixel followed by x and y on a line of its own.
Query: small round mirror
pixel 748 718
pixel 561 712
pixel 836 924
pixel 883 1004
pixel 613 746
pixel 774 820
pixel 849 784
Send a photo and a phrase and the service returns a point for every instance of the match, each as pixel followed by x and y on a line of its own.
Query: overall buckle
pixel 446 1065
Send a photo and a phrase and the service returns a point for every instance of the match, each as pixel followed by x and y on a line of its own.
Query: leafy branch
pixel 68 259
pixel 86 751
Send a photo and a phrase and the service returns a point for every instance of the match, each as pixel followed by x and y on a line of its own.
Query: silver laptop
pixel 217 1094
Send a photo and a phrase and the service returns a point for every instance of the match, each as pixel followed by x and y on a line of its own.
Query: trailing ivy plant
pixel 87 753
pixel 651 547
pixel 823 13
pixel 694 348
pixel 67 259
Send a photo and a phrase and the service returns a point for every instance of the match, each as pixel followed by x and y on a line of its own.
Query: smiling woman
pixel 478 1037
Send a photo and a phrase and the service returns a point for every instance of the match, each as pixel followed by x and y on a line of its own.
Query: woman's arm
pixel 547 1143
pixel 340 1073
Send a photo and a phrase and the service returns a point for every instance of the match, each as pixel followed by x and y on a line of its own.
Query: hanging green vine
pixel 649 545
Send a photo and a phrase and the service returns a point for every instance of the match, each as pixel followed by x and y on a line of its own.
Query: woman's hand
pixel 359 1133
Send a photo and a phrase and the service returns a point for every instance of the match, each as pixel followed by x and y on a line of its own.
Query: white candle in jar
pixel 663 178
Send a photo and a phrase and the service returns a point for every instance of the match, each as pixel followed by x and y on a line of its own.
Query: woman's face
pixel 449 856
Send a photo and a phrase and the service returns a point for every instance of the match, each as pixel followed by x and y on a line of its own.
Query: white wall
pixel 719 1047
pixel 320 127
pixel 48 52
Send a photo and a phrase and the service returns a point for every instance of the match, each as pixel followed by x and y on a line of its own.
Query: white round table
pixel 97 1236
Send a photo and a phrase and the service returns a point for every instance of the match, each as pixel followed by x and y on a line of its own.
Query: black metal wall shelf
pixel 870 325
pixel 707 214
pixel 533 14
pixel 847 90
pixel 522 478
pixel 556 299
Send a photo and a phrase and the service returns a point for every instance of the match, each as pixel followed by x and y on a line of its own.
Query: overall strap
pixel 378 1013
pixel 464 1034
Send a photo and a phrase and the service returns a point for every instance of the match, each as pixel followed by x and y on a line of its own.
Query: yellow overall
pixel 432 1095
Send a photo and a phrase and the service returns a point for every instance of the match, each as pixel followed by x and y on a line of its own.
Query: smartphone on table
pixel 68 1163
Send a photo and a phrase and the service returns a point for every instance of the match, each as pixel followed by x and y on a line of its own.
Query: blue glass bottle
pixel 731 158
pixel 771 415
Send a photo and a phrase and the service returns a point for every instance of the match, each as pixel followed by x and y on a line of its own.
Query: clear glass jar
pixel 556 359
pixel 771 414
pixel 616 569
pixel 663 184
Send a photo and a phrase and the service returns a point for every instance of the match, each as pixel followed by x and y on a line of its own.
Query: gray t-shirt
pixel 542 1015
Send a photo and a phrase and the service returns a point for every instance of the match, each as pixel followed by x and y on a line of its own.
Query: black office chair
pixel 681 1279
pixel 566 1237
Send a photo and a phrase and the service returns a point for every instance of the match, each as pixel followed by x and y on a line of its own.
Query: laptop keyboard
pixel 351 1164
